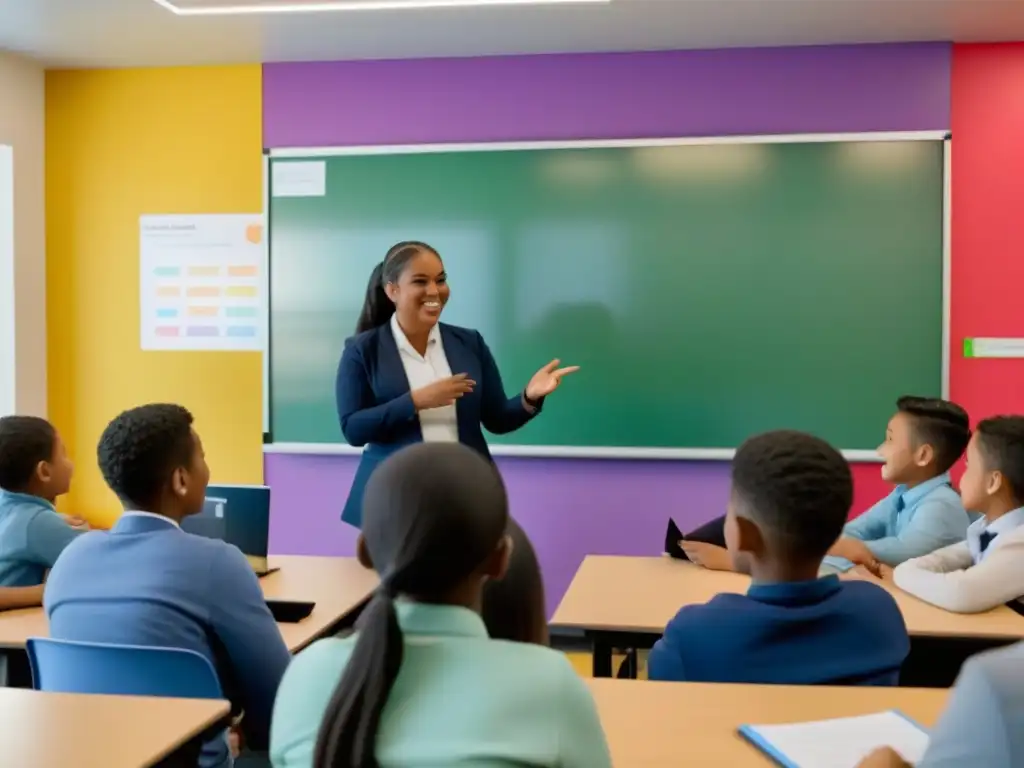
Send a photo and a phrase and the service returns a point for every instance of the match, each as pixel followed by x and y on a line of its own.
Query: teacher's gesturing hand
pixel 546 380
pixel 442 392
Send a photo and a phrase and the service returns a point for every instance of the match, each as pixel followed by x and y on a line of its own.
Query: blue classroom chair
pixel 128 670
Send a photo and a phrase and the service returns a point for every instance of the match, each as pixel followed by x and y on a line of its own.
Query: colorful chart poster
pixel 202 282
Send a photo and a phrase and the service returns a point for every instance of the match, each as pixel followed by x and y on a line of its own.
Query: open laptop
pixel 239 515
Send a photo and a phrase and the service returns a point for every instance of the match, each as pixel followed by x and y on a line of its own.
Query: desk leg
pixel 602 650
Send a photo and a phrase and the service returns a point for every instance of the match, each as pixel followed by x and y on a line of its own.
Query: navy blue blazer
pixel 375 405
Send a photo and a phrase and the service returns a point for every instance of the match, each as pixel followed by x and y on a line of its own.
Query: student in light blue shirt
pixel 923 440
pixel 983 724
pixel 34 471
pixel 147 582
pixel 924 513
pixel 420 683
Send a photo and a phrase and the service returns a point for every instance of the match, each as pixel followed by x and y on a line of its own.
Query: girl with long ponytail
pixel 420 683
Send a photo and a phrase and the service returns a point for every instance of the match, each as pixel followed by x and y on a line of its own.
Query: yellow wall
pixel 121 143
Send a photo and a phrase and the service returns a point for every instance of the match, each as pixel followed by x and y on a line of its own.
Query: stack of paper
pixel 839 743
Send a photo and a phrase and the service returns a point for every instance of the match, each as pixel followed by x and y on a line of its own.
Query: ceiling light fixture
pixel 281 6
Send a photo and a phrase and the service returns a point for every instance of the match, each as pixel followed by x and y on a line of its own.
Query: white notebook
pixel 839 743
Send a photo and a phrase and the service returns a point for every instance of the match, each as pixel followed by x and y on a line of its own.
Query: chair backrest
pixel 128 670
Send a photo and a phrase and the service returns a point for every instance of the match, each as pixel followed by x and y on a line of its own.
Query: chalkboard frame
pixel 595 452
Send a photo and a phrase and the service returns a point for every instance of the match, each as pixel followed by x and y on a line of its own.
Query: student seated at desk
pixel 147 582
pixel 983 723
pixel 420 683
pixel 923 513
pixel 987 569
pixel 790 495
pixel 34 471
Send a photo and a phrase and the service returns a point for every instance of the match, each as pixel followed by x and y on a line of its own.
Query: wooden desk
pixel 650 725
pixel 338 585
pixel 626 602
pixel 44 730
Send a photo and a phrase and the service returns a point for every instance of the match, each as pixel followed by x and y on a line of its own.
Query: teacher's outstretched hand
pixel 406 377
pixel 546 380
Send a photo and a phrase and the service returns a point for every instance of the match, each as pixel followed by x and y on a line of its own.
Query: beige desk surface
pixel 650 725
pixel 335 584
pixel 640 594
pixel 44 730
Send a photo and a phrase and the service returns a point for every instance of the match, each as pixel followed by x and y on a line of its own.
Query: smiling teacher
pixel 406 378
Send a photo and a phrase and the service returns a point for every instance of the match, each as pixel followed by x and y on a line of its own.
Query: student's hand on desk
pixel 707 555
pixel 443 392
pixel 886 757
pixel 856 551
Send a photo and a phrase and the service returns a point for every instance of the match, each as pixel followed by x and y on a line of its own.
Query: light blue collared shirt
pixel 32 536
pixel 460 699
pixel 983 723
pixel 909 523
pixel 1004 524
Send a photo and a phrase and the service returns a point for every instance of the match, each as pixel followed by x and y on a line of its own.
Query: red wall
pixel 987 278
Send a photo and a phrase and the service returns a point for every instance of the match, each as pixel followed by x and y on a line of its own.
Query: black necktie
pixel 985 539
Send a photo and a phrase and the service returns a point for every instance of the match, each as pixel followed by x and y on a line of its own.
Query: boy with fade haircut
pixel 147 582
pixel 987 569
pixel 923 440
pixel 34 471
pixel 791 494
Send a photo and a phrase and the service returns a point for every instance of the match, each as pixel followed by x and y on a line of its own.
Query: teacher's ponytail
pixel 377 306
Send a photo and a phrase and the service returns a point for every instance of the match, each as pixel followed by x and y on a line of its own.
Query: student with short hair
pixel 923 440
pixel 34 471
pixel 147 582
pixel 420 682
pixel 513 606
pixel 987 569
pixel 791 493
pixel 983 723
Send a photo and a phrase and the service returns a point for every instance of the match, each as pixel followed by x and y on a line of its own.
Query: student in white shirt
pixel 987 569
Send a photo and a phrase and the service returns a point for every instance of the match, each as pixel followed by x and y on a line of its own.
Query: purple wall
pixel 570 507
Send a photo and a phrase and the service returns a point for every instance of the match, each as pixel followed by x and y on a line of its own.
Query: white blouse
pixel 439 425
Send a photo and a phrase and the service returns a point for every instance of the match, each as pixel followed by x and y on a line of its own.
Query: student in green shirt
pixel 420 683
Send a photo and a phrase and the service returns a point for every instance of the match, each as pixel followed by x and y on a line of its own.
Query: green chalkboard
pixel 708 291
